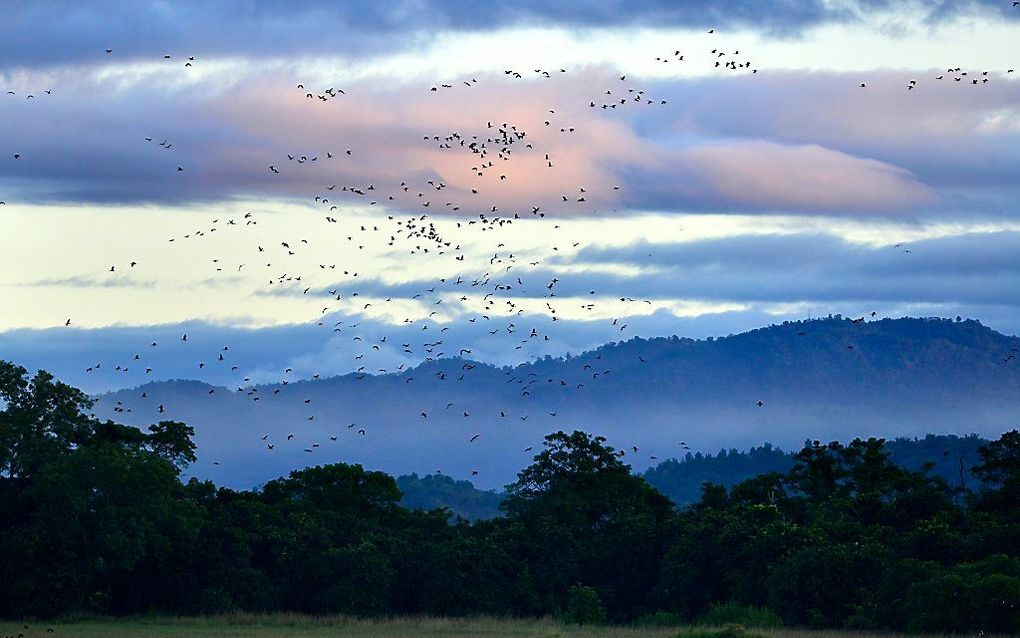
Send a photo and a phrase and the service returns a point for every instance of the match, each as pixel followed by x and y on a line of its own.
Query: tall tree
pixel 581 517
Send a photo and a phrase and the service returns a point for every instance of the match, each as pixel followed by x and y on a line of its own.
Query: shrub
pixel 735 614
pixel 660 619
pixel 584 607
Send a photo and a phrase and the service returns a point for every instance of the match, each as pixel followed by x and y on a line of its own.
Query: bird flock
pixel 422 219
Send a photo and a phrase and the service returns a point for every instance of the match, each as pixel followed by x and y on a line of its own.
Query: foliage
pixel 577 514
pixel 984 594
pixel 584 607
pixel 949 456
pixel 435 491
pixel 94 519
pixel 660 619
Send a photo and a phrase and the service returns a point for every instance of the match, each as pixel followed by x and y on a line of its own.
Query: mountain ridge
pixel 827 378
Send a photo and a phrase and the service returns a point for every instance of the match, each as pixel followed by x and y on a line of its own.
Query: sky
pixel 286 182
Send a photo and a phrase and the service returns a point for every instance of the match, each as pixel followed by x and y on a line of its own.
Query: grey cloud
pixel 976 268
pixel 64 31
pixel 951 137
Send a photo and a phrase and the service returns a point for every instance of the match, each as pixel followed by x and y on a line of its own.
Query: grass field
pixel 255 626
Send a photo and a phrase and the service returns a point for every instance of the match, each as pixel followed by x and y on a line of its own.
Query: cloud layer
pixel 814 146
pixel 64 31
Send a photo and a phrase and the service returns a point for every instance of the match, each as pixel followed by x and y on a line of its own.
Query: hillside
pixel 823 379
pixel 435 491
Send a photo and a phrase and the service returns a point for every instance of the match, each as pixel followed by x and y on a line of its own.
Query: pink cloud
pixel 803 177
pixel 385 129
pixel 794 154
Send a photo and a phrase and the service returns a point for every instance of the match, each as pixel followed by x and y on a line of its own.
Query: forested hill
pixel 827 379
pixel 682 479
pixel 435 491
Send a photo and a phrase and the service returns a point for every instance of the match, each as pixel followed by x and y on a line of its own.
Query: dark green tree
pixel 579 516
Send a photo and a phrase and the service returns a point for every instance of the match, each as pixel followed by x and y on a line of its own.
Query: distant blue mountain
pixel 825 379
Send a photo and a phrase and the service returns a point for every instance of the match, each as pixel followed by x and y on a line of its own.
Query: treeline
pixel 945 455
pixel 949 456
pixel 94 519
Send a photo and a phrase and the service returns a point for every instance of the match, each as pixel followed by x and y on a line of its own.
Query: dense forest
pixel 946 455
pixel 949 456
pixel 95 518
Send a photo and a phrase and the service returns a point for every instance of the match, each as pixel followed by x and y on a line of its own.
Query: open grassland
pixel 296 626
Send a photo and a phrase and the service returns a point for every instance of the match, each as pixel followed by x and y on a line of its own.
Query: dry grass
pixel 296 626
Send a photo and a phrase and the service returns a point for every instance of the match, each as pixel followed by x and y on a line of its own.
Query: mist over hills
pixel 823 379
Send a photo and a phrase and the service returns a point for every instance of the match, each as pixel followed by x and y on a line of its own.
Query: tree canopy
pixel 94 518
